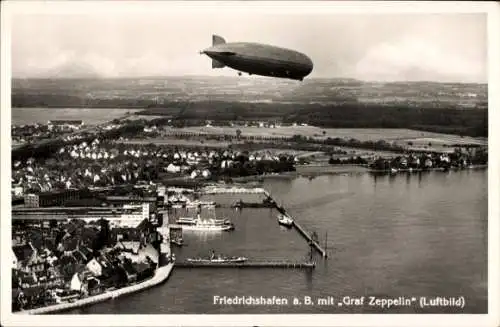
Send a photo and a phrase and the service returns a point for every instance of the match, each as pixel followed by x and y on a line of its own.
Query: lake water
pixel 406 235
pixel 90 116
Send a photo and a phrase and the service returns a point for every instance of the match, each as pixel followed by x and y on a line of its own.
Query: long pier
pixel 309 238
pixel 248 264
pixel 299 228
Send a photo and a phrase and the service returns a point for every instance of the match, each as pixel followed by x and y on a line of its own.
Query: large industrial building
pixel 50 199
pixel 125 216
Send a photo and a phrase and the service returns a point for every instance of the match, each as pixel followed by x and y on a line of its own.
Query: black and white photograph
pixel 248 163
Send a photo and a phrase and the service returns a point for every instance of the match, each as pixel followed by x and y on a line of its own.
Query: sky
pixel 381 47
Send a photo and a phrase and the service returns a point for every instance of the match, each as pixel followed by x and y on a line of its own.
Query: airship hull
pixel 260 59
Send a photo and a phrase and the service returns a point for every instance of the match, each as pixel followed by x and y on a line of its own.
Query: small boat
pixel 285 220
pixel 177 241
pixel 202 203
pixel 217 259
pixel 266 203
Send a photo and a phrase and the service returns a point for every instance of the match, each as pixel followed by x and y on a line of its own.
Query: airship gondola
pixel 259 59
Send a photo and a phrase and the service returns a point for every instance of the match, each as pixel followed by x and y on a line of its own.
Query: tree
pixel 103 237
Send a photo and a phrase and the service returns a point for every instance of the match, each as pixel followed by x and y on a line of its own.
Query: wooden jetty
pixel 309 238
pixel 313 243
pixel 248 264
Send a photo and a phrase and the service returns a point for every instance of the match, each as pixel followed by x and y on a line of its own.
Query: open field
pixel 316 156
pixel 361 134
pixel 459 109
pixel 144 117
pixel 177 142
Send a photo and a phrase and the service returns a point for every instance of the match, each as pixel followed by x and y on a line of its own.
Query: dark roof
pixel 50 243
pixel 15 293
pixel 129 268
pixel 22 252
pixel 36 238
pixel 108 270
pixel 69 272
pixel 67 259
pixel 27 279
pixel 145 224
pixel 80 257
pixel 71 228
pixel 70 243
pixel 78 222
pixel 86 251
pixel 141 267
pixel 32 291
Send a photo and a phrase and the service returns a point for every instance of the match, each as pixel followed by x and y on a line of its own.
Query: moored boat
pixel 285 220
pixel 199 224
pixel 266 203
pixel 178 242
pixel 217 259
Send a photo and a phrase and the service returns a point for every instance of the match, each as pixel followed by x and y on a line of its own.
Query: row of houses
pixel 427 161
pixel 41 271
pixel 103 164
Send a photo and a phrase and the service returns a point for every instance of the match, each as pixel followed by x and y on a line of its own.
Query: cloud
pixel 417 59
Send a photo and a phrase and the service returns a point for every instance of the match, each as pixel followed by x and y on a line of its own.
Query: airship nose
pixel 308 65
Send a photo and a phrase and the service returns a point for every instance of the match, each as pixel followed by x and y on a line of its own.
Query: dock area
pixel 241 190
pixel 248 264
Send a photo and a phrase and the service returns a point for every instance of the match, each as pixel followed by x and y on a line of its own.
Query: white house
pixel 13 259
pixel 173 168
pixel 95 268
pixel 76 283
pixel 206 173
pixel 18 190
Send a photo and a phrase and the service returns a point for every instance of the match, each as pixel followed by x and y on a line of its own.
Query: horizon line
pixel 236 77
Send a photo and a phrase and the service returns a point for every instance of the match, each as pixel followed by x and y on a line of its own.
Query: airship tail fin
pixel 216 40
pixel 217 64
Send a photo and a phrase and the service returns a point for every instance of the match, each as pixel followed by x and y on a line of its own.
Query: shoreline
pixel 161 275
pixel 339 170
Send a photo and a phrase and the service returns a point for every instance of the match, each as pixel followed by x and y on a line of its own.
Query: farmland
pixel 401 136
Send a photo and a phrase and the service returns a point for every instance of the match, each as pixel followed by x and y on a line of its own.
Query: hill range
pixel 437 107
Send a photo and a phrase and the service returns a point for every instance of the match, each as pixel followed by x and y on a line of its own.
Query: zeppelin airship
pixel 259 59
